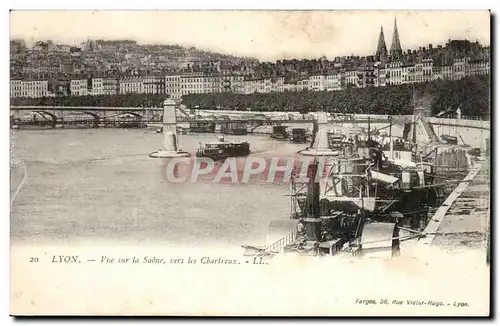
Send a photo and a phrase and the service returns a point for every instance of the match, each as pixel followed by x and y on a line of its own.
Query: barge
pixel 234 128
pixel 202 127
pixel 223 149
pixel 279 133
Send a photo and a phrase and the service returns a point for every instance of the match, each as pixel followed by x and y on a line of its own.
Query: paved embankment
pixel 462 221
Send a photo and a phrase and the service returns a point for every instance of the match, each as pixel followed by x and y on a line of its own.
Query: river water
pixel 86 187
pixel 99 184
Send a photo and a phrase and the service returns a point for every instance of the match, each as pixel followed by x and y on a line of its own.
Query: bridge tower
pixel 319 149
pixel 319 145
pixel 170 145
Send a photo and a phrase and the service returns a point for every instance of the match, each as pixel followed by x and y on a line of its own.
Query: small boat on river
pixel 279 133
pixel 202 127
pixel 299 136
pixel 223 149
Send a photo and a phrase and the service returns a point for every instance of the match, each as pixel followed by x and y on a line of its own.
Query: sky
pixel 265 35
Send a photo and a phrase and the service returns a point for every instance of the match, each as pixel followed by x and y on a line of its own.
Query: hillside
pixel 110 58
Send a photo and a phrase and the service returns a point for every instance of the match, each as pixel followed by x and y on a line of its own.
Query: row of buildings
pixel 456 60
pixel 177 85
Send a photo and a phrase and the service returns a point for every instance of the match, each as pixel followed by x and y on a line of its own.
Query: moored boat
pixel 452 140
pixel 234 128
pixel 202 127
pixel 279 133
pixel 223 149
pixel 299 136
pixel 126 120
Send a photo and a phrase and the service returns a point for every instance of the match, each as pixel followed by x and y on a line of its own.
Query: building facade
pixel 96 86
pixel 131 85
pixel 173 86
pixel 110 86
pixel 154 85
pixel 79 87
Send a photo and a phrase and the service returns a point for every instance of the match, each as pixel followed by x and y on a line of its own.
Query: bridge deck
pixel 184 117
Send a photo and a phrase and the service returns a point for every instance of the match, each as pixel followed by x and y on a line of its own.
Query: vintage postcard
pixel 250 163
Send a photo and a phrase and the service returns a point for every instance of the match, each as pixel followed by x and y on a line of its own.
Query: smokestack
pixel 312 191
pixel 313 220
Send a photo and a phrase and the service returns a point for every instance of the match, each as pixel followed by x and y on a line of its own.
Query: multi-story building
pixel 30 88
pixel 36 88
pixel 317 83
pixel 394 72
pixel 278 85
pixel 302 85
pixel 333 81
pixel 419 72
pixel 360 81
pixel 131 85
pixel 96 86
pixel 237 83
pixel 408 73
pixel 427 65
pixel 110 86
pixel 16 88
pixel 192 83
pixel 250 86
pixel 365 76
pixel 264 85
pixel 232 83
pixel 379 75
pixel 173 86
pixel 154 85
pixel 59 88
pixel 351 78
pixel 270 85
pixel 437 73
pixel 479 67
pixel 79 87
pixel 486 67
pixel 459 67
pixel 447 72
pixel 369 76
pixel 214 83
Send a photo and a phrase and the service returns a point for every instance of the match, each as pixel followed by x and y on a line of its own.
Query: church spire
pixel 396 51
pixel 381 47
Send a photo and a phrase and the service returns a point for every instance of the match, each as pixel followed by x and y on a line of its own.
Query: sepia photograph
pixel 250 163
